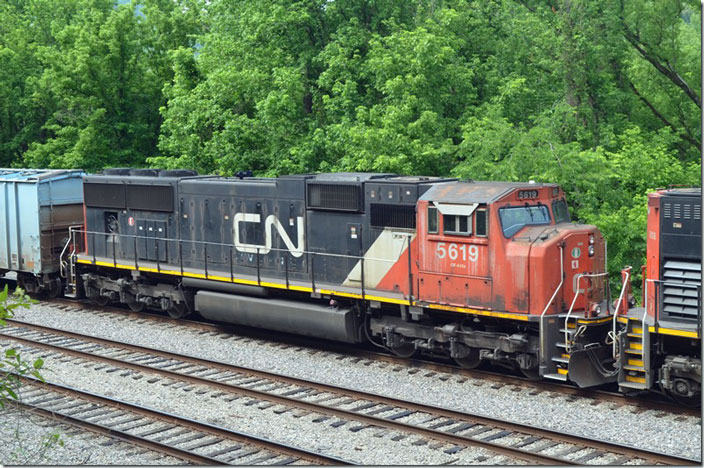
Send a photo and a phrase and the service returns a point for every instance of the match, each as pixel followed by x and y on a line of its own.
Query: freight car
pixel 478 271
pixel 659 345
pixel 38 207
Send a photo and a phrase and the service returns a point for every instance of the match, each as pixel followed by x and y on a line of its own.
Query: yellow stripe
pixel 636 345
pixel 487 313
pixel 249 282
pixel 631 378
pixel 566 356
pixel 637 330
pixel 562 371
pixel 635 362
pixel 670 331
pixel 600 320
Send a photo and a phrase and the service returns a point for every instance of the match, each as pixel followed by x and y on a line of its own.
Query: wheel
pixel 470 360
pixel 53 289
pixel 136 306
pixel 178 310
pixel 101 300
pixel 532 373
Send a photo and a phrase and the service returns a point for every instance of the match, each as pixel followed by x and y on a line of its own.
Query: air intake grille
pixel 398 216
pixel 334 197
pixel 667 210
pixel 681 301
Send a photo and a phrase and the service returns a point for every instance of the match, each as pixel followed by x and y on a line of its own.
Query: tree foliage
pixel 601 96
pixel 11 363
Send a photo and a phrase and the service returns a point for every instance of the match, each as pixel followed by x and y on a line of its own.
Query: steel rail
pixel 544 385
pixel 345 414
pixel 279 448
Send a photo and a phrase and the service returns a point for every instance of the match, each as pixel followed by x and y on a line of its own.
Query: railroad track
pixel 192 441
pixel 433 368
pixel 341 406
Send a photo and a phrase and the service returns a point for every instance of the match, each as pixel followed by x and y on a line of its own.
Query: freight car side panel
pixel 38 206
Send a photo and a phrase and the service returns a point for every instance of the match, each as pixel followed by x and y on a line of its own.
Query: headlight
pixel 591 250
pixel 591 239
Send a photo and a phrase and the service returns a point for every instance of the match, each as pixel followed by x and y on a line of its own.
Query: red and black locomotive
pixel 477 271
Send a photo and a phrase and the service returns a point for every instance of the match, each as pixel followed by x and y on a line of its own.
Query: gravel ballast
pixel 30 439
pixel 652 430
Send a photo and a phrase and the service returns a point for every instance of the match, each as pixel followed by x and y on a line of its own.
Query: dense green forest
pixel 601 96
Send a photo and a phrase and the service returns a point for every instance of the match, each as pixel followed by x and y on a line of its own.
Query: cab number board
pixel 452 251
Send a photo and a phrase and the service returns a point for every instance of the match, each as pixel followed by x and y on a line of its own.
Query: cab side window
pixel 457 225
pixel 480 223
pixel 432 220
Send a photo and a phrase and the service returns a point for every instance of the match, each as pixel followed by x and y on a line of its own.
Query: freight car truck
pixel 37 207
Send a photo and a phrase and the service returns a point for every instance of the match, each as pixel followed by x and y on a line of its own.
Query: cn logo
pixel 270 221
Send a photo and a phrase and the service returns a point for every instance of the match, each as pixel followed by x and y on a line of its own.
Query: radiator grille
pixel 334 197
pixel 150 197
pixel 681 301
pixel 667 210
pixel 398 216
pixel 104 195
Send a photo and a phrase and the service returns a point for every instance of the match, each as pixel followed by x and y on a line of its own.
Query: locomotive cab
pixel 507 276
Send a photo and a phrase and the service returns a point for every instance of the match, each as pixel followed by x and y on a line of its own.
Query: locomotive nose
pixel 584 268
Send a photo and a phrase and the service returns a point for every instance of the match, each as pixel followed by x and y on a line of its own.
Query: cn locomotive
pixel 475 271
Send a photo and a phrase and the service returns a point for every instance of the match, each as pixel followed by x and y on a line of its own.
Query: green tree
pixel 11 364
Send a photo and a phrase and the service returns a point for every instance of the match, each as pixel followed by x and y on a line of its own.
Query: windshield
pixel 513 219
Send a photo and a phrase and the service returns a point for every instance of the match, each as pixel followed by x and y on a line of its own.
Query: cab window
pixel 457 225
pixel 560 211
pixel 480 228
pixel 432 220
pixel 514 218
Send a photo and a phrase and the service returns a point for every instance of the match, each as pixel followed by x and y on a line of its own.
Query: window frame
pixel 437 221
pixel 508 207
pixel 457 223
pixel 486 222
pixel 554 215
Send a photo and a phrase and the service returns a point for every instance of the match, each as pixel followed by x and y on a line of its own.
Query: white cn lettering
pixel 271 220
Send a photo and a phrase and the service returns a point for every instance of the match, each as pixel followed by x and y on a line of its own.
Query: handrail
pixel 574 301
pixel 562 280
pixel 273 249
pixel 62 263
pixel 627 272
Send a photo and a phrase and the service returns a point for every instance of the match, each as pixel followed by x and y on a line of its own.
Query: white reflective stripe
pixel 458 210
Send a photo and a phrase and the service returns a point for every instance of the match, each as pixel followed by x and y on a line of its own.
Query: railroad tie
pixel 262 459
pixel 245 453
pixel 172 435
pixel 400 415
pixel 153 431
pixel 364 406
pixel 187 439
pixel 526 441
pixel 202 443
pixel 569 451
pixel 447 422
pixel 285 461
pixel 589 456
pixel 380 410
pixel 224 451
pixel 498 435
pixel 460 428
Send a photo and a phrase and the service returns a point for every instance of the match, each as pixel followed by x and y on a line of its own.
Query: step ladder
pixel 635 356
pixel 561 359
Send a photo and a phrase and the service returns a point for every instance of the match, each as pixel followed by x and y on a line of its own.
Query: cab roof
pixel 467 191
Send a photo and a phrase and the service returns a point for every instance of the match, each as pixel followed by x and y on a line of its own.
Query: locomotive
pixel 475 271
pixel 659 345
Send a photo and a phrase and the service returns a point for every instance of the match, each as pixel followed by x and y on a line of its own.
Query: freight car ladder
pixel 635 358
